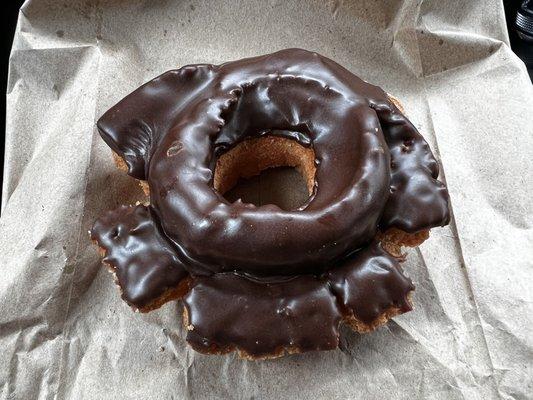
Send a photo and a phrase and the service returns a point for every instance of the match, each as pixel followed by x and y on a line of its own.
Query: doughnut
pixel 261 280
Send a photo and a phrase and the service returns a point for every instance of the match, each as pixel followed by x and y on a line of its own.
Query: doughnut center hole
pixel 267 170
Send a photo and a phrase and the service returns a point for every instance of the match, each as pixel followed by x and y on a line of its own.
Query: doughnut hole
pixel 267 170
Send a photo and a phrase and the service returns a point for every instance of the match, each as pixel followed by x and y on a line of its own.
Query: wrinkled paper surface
pixel 65 333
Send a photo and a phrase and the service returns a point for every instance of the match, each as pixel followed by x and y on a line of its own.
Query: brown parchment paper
pixel 65 333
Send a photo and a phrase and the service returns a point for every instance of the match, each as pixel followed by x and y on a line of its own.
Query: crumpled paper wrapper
pixel 65 333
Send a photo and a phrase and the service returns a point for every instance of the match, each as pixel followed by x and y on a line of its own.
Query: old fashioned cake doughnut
pixel 259 279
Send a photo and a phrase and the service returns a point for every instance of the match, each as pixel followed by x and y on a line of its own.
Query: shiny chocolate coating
pixel 142 258
pixel 228 310
pixel 265 280
pixel 374 170
pixel 370 282
pixel 261 318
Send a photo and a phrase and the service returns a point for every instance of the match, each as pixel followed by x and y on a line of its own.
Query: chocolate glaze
pixel 417 201
pixel 230 311
pixel 369 283
pixel 227 311
pixel 374 168
pixel 144 261
pixel 264 279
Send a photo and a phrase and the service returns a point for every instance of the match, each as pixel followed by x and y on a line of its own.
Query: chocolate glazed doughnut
pixel 375 179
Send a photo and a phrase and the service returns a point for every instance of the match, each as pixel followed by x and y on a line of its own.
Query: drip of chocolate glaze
pixel 228 311
pixel 144 261
pixel 417 200
pixel 170 130
pixel 370 282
